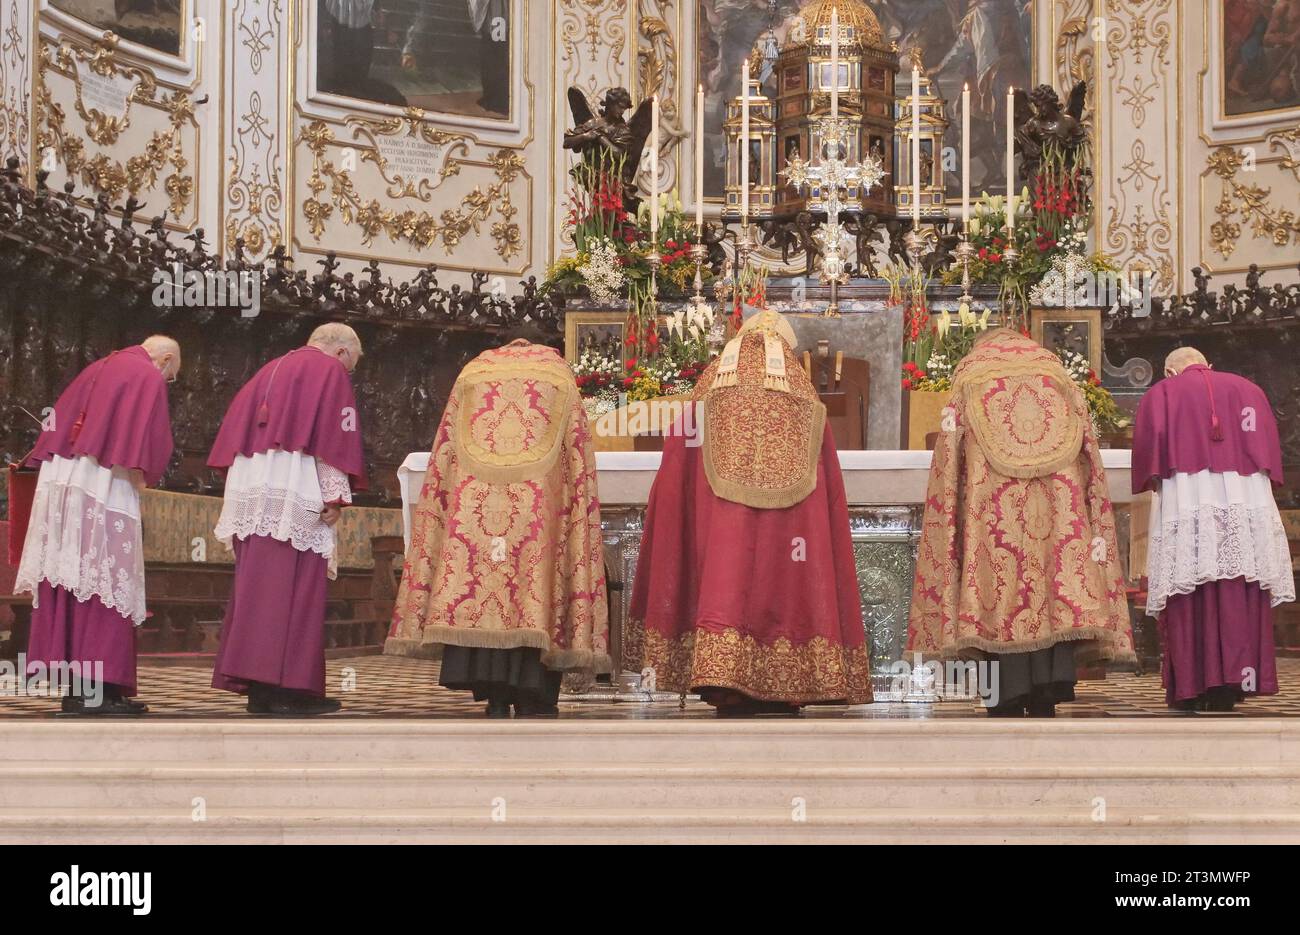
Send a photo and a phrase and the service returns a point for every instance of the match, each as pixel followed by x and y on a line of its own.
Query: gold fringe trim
pixel 774 362
pixel 1105 645
pixel 552 657
pixel 762 498
pixel 728 363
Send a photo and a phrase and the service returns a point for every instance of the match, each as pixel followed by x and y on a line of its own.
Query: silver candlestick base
pixel 744 247
pixel 965 252
pixel 914 243
pixel 700 255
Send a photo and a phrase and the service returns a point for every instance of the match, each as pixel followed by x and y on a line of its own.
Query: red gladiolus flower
pixel 907 384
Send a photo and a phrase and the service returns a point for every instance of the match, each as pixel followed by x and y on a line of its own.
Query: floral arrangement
pixel 599 376
pixel 907 288
pixel 953 338
pixel 612 246
pixel 1105 412
pixel 1050 236
pixel 667 357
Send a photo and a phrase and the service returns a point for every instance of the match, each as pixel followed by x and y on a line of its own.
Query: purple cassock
pixel 1206 445
pixel 82 557
pixel 289 444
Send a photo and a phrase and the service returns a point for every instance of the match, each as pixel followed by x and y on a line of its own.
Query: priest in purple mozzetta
pixel 82 561
pixel 290 445
pixel 1206 445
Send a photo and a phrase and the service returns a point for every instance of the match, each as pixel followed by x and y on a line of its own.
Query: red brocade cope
pixel 762 600
pixel 506 549
pixel 1018 547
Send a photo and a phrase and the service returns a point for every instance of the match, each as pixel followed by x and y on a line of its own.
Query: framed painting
pixel 1259 56
pixel 1072 329
pixel 443 56
pixel 155 24
pixel 603 332
pixel 986 43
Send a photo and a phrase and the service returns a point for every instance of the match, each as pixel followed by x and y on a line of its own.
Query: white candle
pixel 835 62
pixel 654 166
pixel 1011 162
pixel 916 145
pixel 965 155
pixel 744 144
pixel 699 159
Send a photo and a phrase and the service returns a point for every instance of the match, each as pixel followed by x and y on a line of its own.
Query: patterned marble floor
pixel 386 687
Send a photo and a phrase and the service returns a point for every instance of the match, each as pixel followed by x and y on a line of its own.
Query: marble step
pixel 651 826
pixel 907 787
pixel 1201 741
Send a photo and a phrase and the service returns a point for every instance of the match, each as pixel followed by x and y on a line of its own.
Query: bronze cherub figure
pixel 606 138
pixel 1042 123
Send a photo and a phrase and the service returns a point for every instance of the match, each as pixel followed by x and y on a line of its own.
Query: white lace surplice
pixel 280 494
pixel 1213 526
pixel 84 535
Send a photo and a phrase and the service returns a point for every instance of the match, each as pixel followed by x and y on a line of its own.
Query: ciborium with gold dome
pixel 804 78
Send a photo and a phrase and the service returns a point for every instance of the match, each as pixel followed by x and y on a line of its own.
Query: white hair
pixel 335 334
pixel 159 344
pixel 1181 358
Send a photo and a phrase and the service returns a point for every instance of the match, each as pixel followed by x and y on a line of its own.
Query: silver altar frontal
pixel 886 493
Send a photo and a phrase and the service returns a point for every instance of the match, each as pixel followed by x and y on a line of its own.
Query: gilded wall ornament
pixel 165 148
pixel 421 229
pixel 1248 202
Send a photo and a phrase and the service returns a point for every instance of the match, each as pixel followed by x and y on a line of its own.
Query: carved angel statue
pixel 609 139
pixel 1041 122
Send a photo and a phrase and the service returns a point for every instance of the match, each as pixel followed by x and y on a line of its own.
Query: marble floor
pixel 388 687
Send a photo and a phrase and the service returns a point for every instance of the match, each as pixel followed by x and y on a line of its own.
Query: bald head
pixel 1182 358
pixel 337 340
pixel 165 353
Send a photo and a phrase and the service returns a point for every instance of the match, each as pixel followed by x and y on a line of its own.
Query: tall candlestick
pixel 1011 162
pixel 965 155
pixel 654 167
pixel 744 144
pixel 916 146
pixel 835 62
pixel 699 159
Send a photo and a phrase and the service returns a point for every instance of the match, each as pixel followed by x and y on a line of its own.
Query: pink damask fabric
pixel 1018 547
pixel 506 547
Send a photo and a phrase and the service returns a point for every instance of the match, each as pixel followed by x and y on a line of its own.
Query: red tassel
pixel 76 427
pixel 1216 429
pixel 263 414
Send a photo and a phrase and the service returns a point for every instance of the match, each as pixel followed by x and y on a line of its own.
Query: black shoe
pixel 498 709
pixel 116 706
pixel 535 709
pixel 289 703
pixel 1006 710
pixel 1042 710
pixel 259 698
pixel 73 704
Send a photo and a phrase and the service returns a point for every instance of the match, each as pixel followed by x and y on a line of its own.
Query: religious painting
pixel 603 333
pixel 153 23
pixel 986 44
pixel 445 56
pixel 1070 329
pixel 1261 56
